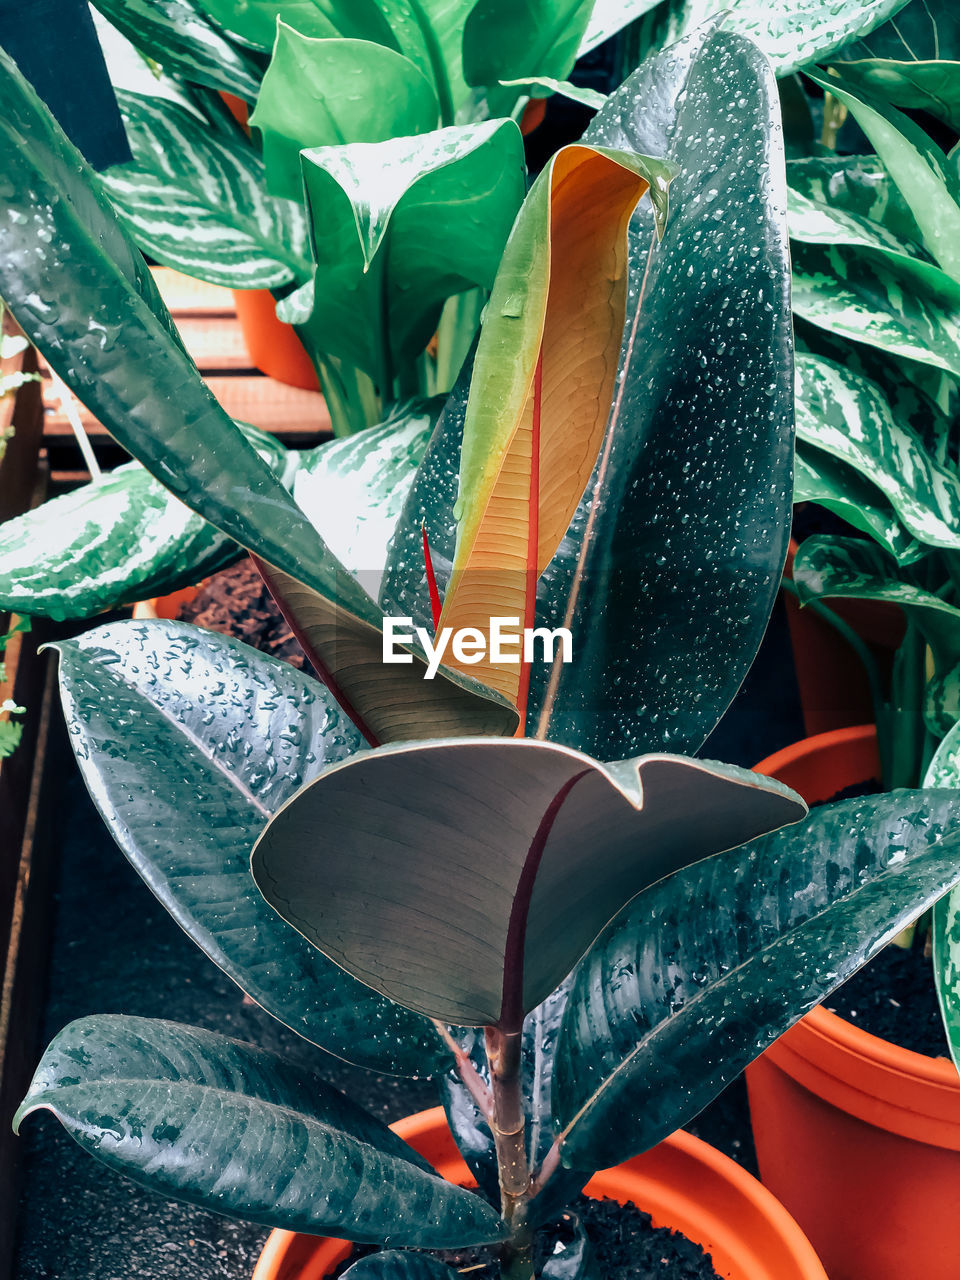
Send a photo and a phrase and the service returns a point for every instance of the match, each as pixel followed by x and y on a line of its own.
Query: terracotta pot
pixel 834 691
pixel 165 606
pixel 859 1138
pixel 273 346
pixel 682 1183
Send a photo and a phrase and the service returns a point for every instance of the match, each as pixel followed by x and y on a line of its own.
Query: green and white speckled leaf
pixel 872 301
pixel 353 490
pixel 398 227
pixel 178 35
pixel 325 93
pixel 609 17
pixel 123 537
pixel 195 199
pixel 848 417
pixel 858 185
pixel 944 771
pixel 916 165
pixel 941 700
pixel 792 33
pixel 820 478
pixel 705 970
pixel 188 742
pixel 243 1132
pixel 850 568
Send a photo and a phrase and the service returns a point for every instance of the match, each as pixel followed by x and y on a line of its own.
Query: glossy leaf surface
pixel 698 450
pixel 510 39
pixel 921 30
pixel 321 93
pixel 859 185
pixel 944 771
pixel 820 478
pixel 177 34
pixel 448 887
pixel 702 972
pixel 542 386
pixel 188 742
pixel 121 538
pixel 849 418
pixel 609 16
pixel 918 86
pixel 194 199
pixel 255 21
pixel 792 33
pixel 240 1131
pixel 395 1264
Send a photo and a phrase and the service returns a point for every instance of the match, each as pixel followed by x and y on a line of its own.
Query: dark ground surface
pixel 115 950
pixel 894 997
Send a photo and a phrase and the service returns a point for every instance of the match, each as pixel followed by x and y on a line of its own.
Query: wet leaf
pixel 392 1264
pixel 702 972
pixel 242 1132
pixel 320 93
pixel 188 742
pixel 447 887
pixel 858 185
pixel 944 771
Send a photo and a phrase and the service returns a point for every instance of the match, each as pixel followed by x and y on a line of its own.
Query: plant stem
pixel 834 114
pixel 507 1125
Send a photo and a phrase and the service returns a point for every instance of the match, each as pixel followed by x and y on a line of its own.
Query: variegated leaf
pixel 944 771
pixel 178 35
pixel 822 479
pixel 609 17
pixel 855 184
pixel 195 199
pixel 941 700
pixel 839 289
pixel 792 33
pixel 848 417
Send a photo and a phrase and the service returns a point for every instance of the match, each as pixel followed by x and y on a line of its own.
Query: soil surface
pixel 894 997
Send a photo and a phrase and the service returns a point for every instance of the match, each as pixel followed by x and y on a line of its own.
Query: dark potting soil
pixel 625 1244
pixel 236 602
pixel 894 997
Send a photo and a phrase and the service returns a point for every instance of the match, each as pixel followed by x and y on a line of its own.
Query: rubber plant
pixel 200 751
pixel 275 208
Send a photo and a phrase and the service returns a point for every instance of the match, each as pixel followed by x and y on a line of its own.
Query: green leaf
pixel 516 39
pixel 822 479
pixel 572 1260
pixel 398 227
pixel 255 21
pixel 575 92
pixel 241 1131
pixel 944 771
pixel 194 199
pixel 792 33
pixel 917 86
pixel 610 16
pixel 448 888
pixel 681 622
pixel 916 165
pixel 872 301
pixel 702 972
pixel 859 185
pixel 11 734
pixel 922 29
pixel 394 1264
pixel 827 567
pixel 320 93
pixel 216 737
pixel 177 34
pixel 121 538
pixel 848 417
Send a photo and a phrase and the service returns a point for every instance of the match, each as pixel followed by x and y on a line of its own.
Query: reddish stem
pixel 435 605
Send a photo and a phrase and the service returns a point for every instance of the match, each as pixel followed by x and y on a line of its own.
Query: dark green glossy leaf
pixel 702 972
pixel 848 417
pixel 512 39
pixel 177 34
pixel 320 93
pixel 439 872
pixel 393 1264
pixel 921 30
pixel 398 227
pixel 574 1259
pixel 917 86
pixel 914 162
pixel 820 478
pixel 188 743
pixel 472 1132
pixel 121 538
pixel 872 301
pixel 241 1131
pixel 703 377
pixel 792 33
pixel 194 199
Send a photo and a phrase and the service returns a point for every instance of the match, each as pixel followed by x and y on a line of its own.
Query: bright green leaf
pixel 822 479
pixel 516 39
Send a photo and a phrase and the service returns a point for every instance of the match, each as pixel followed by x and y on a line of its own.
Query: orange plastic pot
pixel 165 606
pixel 858 1138
pixel 682 1184
pixel 273 346
pixel 834 690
